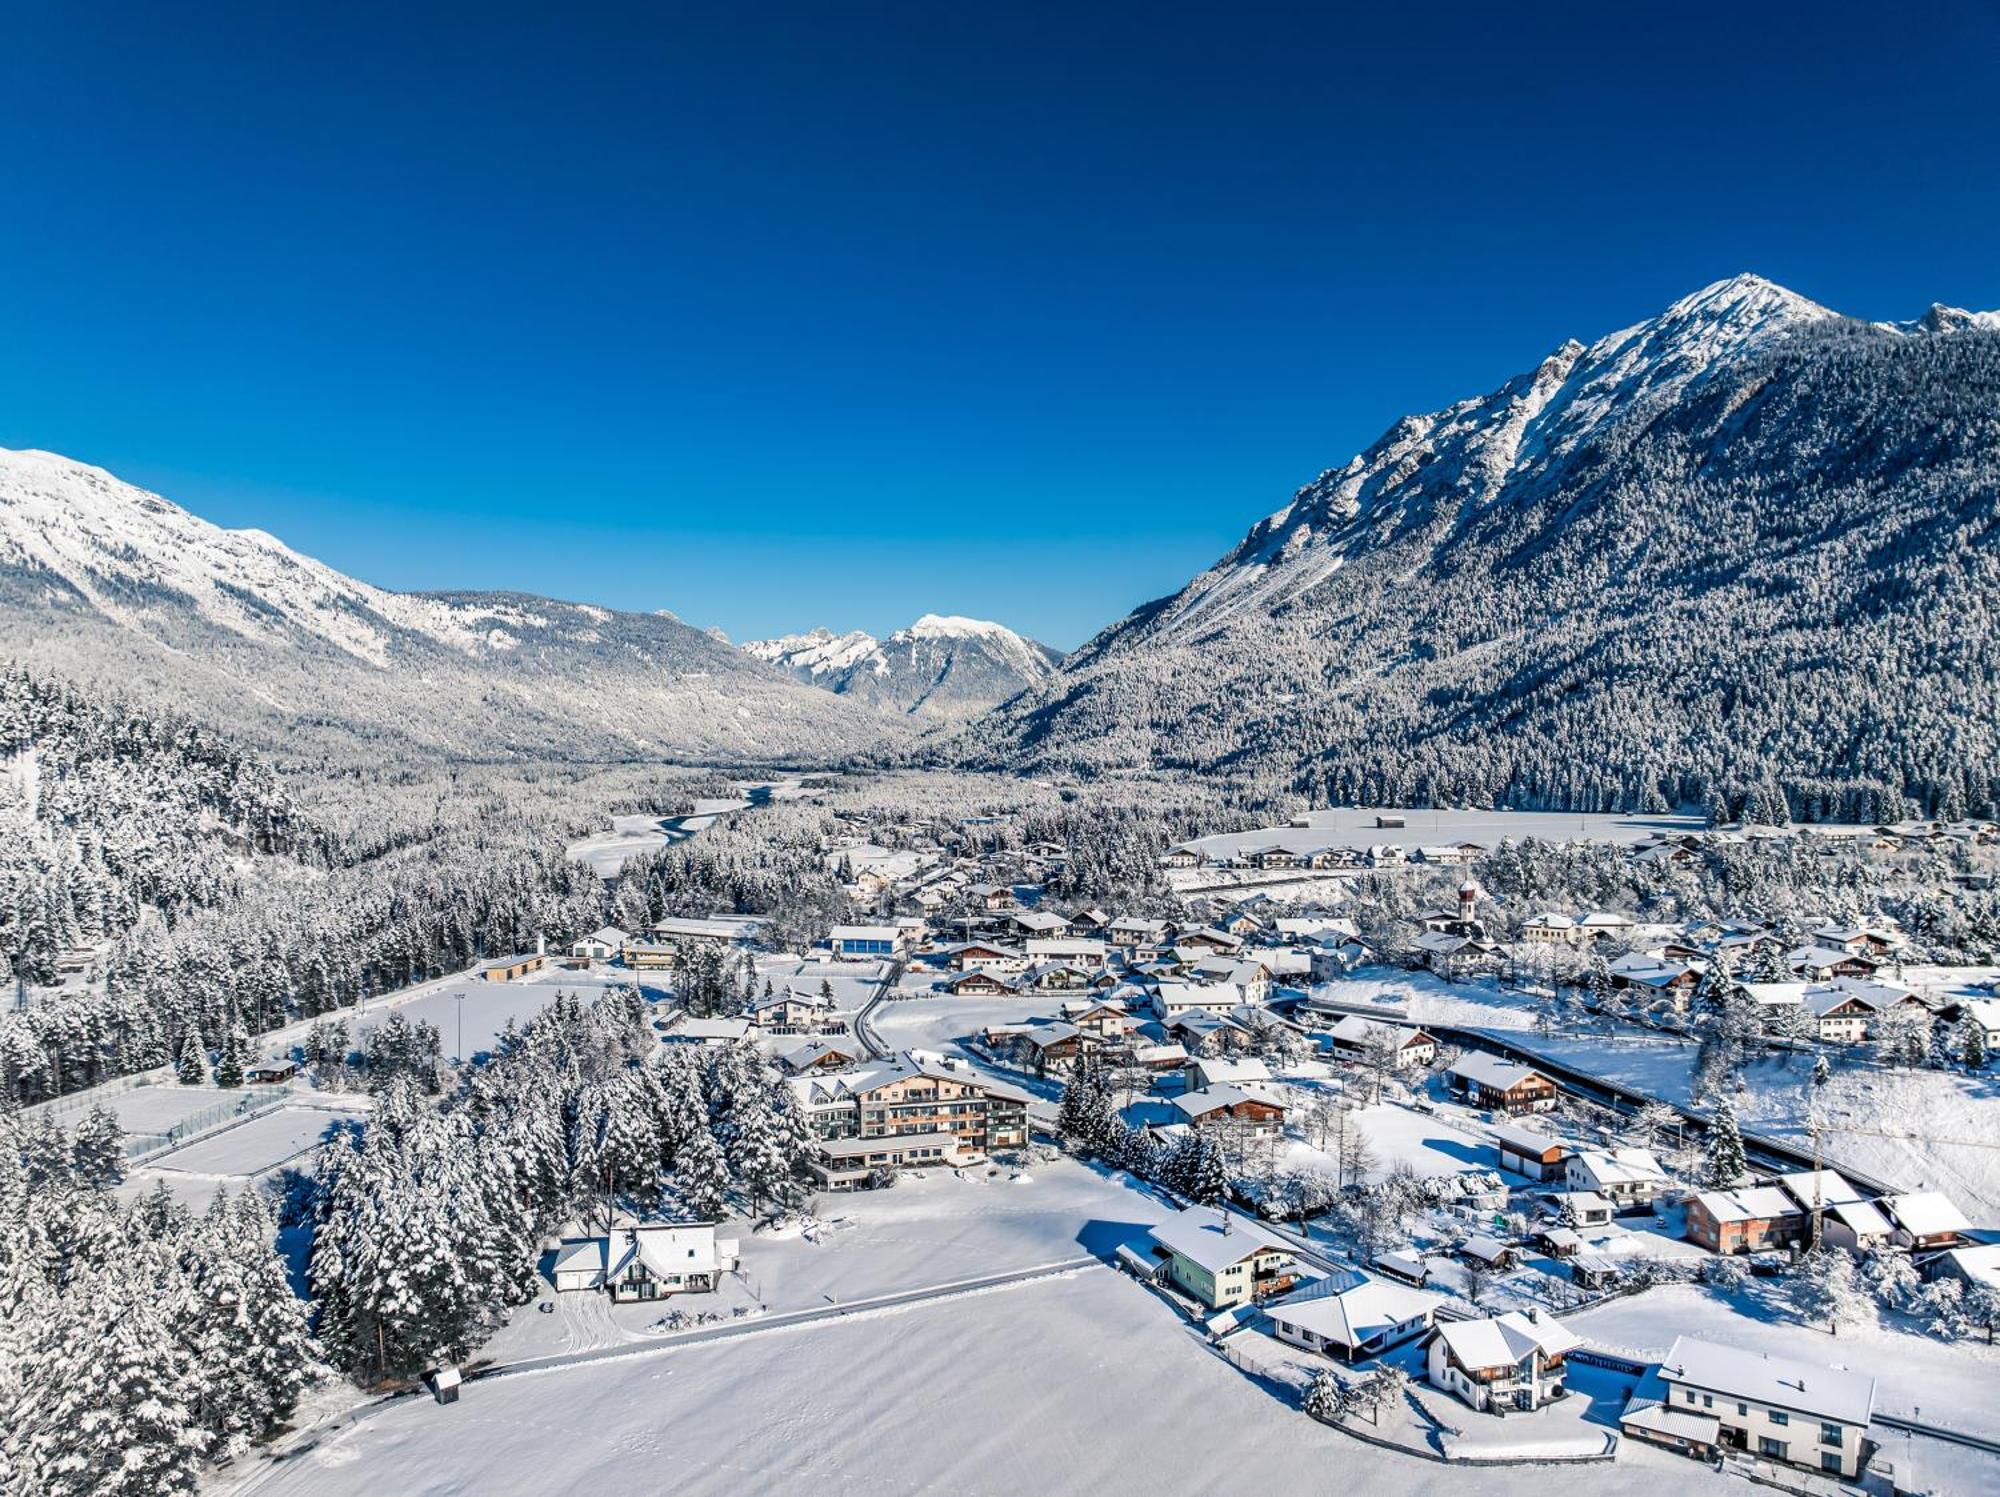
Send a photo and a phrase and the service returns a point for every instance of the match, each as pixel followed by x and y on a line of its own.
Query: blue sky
pixel 781 315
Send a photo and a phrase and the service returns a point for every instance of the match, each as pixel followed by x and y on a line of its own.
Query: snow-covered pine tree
pixel 1827 1291
pixel 193 1069
pixel 1724 1162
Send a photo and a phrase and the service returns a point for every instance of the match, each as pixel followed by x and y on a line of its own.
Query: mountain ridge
pixel 942 667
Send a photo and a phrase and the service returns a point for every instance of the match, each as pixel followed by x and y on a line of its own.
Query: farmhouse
pixel 976 982
pixel 1927 1221
pixel 1501 1085
pixel 1408 1049
pixel 1251 1106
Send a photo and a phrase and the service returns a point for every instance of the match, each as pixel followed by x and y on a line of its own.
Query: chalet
pixel 1208 939
pixel 1100 1018
pixel 1550 929
pixel 1490 1251
pixel 1985 1013
pixel 1252 980
pixel 1707 1397
pixel 682 1028
pixel 1351 1316
pixel 1090 920
pixel 272 1072
pixel 1175 1000
pixel 1531 1155
pixel 1227 1104
pixel 1927 1221
pixel 1056 977
pixel 1500 1085
pixel 1511 1361
pixel 1857 1226
pixel 1408 1049
pixel 1186 855
pixel 600 945
pixel 1240 923
pixel 987 955
pixel 507 968
pixel 991 896
pixel 821 1055
pixel 1206 1031
pixel 1047 1047
pixel 1839 1017
pixel 793 1012
pixel 1040 924
pixel 1631 1179
pixel 1744 1221
pixel 864 943
pixel 1220 1072
pixel 1656 975
pixel 1159 1059
pixel 1604 925
pixel 1862 940
pixel 976 982
pixel 903 1097
pixel 1074 951
pixel 1823 963
pixel 855 1163
pixel 645 1260
pixel 1222 1259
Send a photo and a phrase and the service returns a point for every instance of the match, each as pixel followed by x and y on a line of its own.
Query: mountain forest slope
pixel 1743 554
pixel 938 669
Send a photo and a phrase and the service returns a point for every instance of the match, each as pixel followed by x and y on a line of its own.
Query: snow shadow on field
pixel 1463 1152
pixel 1102 1239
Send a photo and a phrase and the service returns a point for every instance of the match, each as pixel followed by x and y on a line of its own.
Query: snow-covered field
pixel 253 1147
pixel 1085 1383
pixel 157 1109
pixel 938 1023
pixel 489 1005
pixel 1426 998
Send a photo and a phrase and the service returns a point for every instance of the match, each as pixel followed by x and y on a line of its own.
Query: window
pixel 1708 1400
pixel 1779 1416
pixel 1773 1448
pixel 1690 1395
pixel 1830 1434
pixel 1829 1461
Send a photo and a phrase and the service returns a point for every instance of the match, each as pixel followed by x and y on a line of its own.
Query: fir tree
pixel 193 1069
pixel 97 1154
pixel 1724 1161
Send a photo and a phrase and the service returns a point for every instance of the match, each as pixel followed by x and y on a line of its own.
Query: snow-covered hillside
pixel 1746 541
pixel 939 667
pixel 103 581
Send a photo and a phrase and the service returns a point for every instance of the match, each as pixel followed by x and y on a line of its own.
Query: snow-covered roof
pixel 1760 1203
pixel 1491 1071
pixel 1506 1340
pixel 1823 1392
pixel 1209 1240
pixel 1651 1408
pixel 1822 1186
pixel 1863 1218
pixel 1619 1167
pixel 1238 1072
pixel 1926 1213
pixel 1214 1098
pixel 1517 1139
pixel 1351 1309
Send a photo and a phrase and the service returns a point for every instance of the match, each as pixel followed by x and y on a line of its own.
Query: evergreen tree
pixel 701 1177
pixel 1208 1179
pixel 194 1061
pixel 229 1066
pixel 1827 1290
pixel 1724 1160
pixel 97 1154
pixel 1972 1043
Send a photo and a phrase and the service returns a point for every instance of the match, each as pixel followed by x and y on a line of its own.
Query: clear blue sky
pixel 779 315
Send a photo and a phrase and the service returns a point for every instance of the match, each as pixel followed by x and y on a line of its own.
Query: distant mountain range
pixel 106 583
pixel 1741 550
pixel 940 668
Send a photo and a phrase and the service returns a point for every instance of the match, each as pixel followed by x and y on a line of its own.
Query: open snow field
pixel 936 1230
pixel 1426 998
pixel 607 852
pixel 1084 1383
pixel 155 1110
pixel 939 1023
pixel 254 1147
pixel 489 1005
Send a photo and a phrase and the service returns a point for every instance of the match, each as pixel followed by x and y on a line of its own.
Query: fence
pixel 147 1145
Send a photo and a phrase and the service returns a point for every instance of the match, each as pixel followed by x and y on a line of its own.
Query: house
pixel 1744 1221
pixel 1550 929
pixel 976 982
pixel 1926 1221
pixel 1976 1267
pixel 793 1012
pixel 1580 1208
pixel 717 931
pixel 1489 1251
pixel 1822 963
pixel 1222 1259
pixel 854 1163
pixel 1159 1058
pixel 1351 1316
pixel 1531 1155
pixel 645 1260
pixel 1604 925
pixel 1102 1019
pixel 1203 1072
pixel 507 968
pixel 682 1028
pixel 600 945
pixel 1226 1104
pixel 1407 1049
pixel 1056 977
pixel 1774 1407
pixel 1403 1264
pixel 1044 924
pixel 1047 1047
pixel 1985 1013
pixel 272 1072
pixel 991 896
pixel 1209 940
pixel 864 943
pixel 1072 951
pixel 1511 1361
pixel 1174 1000
pixel 1500 1085
pixel 821 1055
pixel 1817 1188
pixel 1839 1017
pixel 1856 1225
pixel 984 955
pixel 1631 1179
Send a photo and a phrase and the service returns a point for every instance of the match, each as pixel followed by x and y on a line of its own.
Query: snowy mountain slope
pixel 1746 540
pixel 938 668
pixel 106 582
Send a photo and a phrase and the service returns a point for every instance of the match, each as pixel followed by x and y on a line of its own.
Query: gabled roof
pixel 1214 1098
pixel 1527 1141
pixel 1208 1240
pixel 1491 1071
pixel 1926 1213
pixel 1822 1392
pixel 1759 1203
pixel 1505 1340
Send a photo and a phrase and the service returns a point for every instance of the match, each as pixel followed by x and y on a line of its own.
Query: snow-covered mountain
pixel 106 582
pixel 1748 539
pixel 940 667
